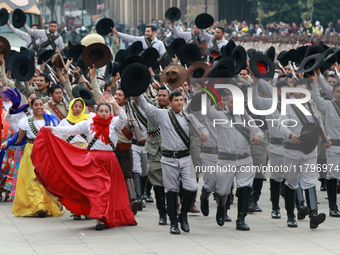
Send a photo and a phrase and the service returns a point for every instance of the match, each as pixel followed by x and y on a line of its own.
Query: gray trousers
pixel 333 165
pixel 140 160
pixel 276 160
pixel 209 178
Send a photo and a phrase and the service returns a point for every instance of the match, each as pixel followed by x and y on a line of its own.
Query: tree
pixel 51 5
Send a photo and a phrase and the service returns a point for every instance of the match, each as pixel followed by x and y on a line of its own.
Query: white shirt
pixel 209 38
pixel 76 139
pixel 84 127
pixel 23 125
pixel 41 34
pixel 25 36
pixel 157 44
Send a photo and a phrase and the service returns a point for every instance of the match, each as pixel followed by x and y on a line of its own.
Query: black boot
pixel 160 203
pixel 171 199
pixel 188 199
pixel 290 205
pixel 255 195
pixel 323 186
pixel 242 206
pixel 138 189
pixel 148 188
pixel 227 207
pixel 134 203
pixel 205 202
pixel 283 186
pixel 315 218
pixel 275 188
pixel 332 193
pixel 220 213
pixel 300 204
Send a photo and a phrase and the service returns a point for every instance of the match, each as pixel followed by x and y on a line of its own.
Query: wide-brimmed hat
pixel 189 54
pixel 84 93
pixel 97 54
pixel 212 53
pixel 135 79
pixel 174 46
pixel 198 70
pixel 228 48
pixel 251 52
pixel 108 71
pixel 115 68
pixel 204 20
pixel 300 54
pixel 81 65
pixel 224 64
pixel 103 26
pixel 8 58
pixel 330 55
pixel 175 75
pixel 135 48
pixel 313 49
pixel 173 14
pixel 288 56
pixel 3 16
pixel 57 60
pixel 24 66
pixel 44 55
pixel 271 53
pixel 239 58
pixel 311 63
pixel 92 38
pixel 280 56
pixel 309 137
pixel 31 51
pixel 262 66
pixel 150 56
pixel 18 18
pixel 130 60
pixel 120 56
pixel 5 47
pixel 75 51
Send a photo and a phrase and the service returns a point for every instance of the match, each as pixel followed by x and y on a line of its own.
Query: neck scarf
pixel 101 128
pixel 82 116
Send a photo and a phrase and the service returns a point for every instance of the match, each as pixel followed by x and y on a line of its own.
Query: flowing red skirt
pixel 86 182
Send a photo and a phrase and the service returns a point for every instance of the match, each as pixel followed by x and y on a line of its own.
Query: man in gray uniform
pixel 194 37
pixel 31 42
pixel 234 160
pixel 217 40
pixel 176 161
pixel 331 113
pixel 300 165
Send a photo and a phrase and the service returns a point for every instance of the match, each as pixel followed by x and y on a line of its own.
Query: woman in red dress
pixel 87 181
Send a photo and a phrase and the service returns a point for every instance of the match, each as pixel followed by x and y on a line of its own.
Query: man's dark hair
pixel 125 95
pixel 174 93
pixel 162 88
pixel 53 88
pixel 53 22
pixel 281 84
pixel 37 25
pixel 47 80
pixel 221 28
pixel 107 84
pixel 336 85
pixel 153 29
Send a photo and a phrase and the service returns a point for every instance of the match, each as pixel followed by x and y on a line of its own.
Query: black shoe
pixel 226 217
pixel 316 220
pixel 221 209
pixel 276 214
pixel 257 208
pixel 174 229
pixel 100 226
pixel 291 222
pixel 162 220
pixel 183 220
pixel 205 202
pixel 42 214
pixel 135 206
pixel 303 211
pixel 242 225
pixel 323 186
pixel 251 207
pixel 149 199
pixel 334 213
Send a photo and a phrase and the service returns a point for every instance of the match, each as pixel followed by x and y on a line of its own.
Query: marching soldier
pixel 299 156
pixel 56 106
pixel 194 37
pixel 149 40
pixel 234 155
pixel 49 38
pixel 331 113
pixel 217 40
pixel 176 160
pixel 31 42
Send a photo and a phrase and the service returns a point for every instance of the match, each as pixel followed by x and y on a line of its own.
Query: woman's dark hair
pixel 33 92
pixel 35 99
pixel 103 104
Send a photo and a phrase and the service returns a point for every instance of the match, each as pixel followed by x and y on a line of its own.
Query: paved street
pixel 31 235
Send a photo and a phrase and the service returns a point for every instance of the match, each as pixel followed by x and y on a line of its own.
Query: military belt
pixel 335 142
pixel 176 154
pixel 209 150
pixel 292 146
pixel 278 141
pixel 135 142
pixel 233 157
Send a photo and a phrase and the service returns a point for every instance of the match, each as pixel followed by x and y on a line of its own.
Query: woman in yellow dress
pixel 31 197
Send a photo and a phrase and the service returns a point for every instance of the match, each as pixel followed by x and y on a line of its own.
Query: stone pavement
pixel 31 235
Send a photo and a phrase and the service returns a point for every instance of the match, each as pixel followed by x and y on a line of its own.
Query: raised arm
pixel 26 37
pixel 97 93
pixel 328 89
pixel 34 32
pixel 150 110
pixel 185 35
pixel 77 129
pixel 321 103
pixel 207 36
